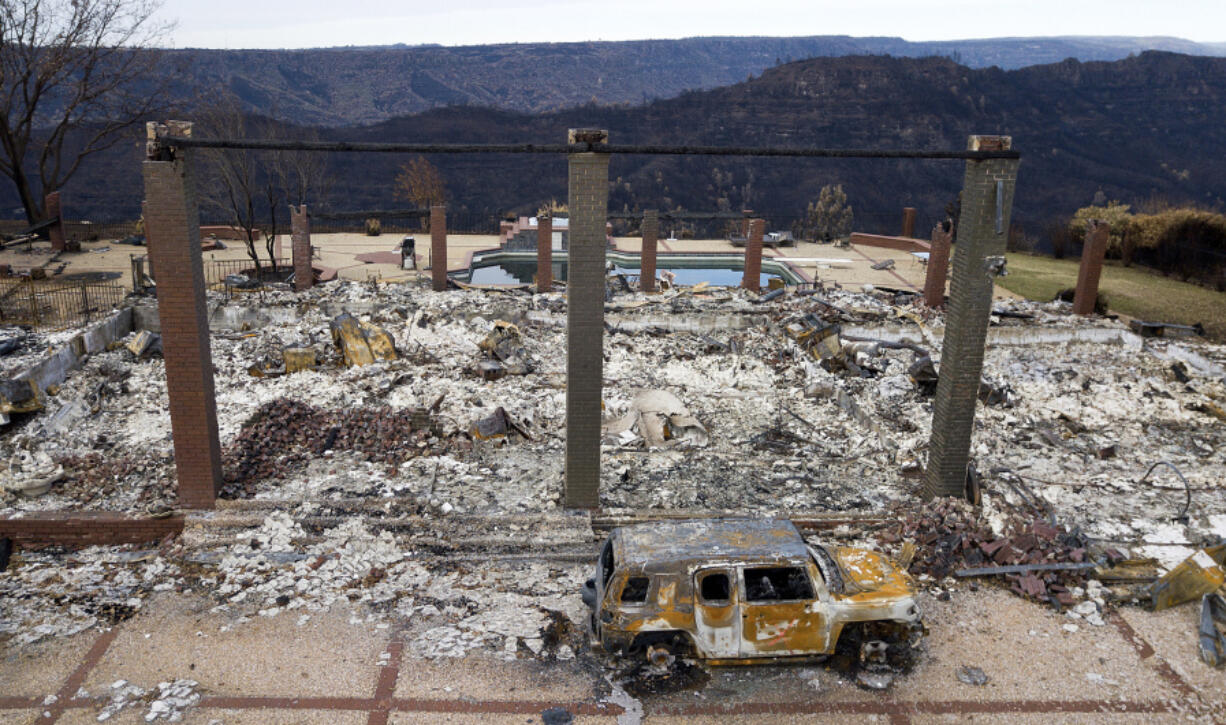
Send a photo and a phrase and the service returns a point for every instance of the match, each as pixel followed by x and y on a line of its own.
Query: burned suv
pixel 732 590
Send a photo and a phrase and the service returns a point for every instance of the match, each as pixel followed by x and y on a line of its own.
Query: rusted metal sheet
pixel 1196 576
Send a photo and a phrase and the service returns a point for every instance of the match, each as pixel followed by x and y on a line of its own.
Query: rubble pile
pixel 284 433
pixel 750 421
pixel 531 609
pixel 951 535
pixel 92 476
pixel 53 594
pixel 167 702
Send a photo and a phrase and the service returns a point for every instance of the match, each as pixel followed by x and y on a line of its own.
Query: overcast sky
pixel 315 23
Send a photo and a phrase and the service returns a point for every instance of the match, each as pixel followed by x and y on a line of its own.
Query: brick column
pixel 172 231
pixel 647 257
pixel 300 247
pixel 56 231
pixel 588 197
pixel 938 266
pixel 987 203
pixel 752 278
pixel 544 253
pixel 1092 253
pixel 908 221
pixel 438 246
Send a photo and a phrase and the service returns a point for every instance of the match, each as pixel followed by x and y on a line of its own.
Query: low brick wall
pixel 904 244
pixel 87 528
pixel 223 232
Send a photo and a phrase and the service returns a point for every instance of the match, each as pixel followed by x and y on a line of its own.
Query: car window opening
pixel 775 584
pixel 715 588
pixel 635 590
pixel 606 563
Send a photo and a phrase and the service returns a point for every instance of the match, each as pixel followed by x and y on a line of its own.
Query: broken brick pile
pixel 93 476
pixel 949 534
pixel 284 433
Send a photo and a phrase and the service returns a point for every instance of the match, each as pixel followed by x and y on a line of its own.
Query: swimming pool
pixel 512 268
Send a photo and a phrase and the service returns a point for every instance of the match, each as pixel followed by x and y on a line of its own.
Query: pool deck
pixel 359 257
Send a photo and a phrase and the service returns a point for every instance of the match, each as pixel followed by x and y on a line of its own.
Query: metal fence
pixel 216 271
pixel 55 304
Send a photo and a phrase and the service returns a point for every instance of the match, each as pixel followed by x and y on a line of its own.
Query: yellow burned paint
pixel 785 628
pixel 666 615
pixel 871 577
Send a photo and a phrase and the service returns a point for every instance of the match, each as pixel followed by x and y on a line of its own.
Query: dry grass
pixel 1130 291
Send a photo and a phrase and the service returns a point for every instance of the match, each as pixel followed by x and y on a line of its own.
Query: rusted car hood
pixel 867 572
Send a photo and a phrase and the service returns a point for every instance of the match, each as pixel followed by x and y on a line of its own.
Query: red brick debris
pixel 284 433
pixel 949 534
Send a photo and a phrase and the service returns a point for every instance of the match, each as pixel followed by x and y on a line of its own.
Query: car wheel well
pixel 677 640
pixel 900 638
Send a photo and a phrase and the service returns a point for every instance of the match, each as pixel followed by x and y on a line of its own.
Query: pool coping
pixel 799 275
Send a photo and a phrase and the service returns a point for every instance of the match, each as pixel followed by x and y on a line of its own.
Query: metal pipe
pixel 256 144
pixel 1183 515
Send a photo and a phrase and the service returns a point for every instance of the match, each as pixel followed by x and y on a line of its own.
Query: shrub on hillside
pixel 1188 243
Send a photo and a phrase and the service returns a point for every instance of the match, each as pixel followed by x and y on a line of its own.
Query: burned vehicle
pixel 741 591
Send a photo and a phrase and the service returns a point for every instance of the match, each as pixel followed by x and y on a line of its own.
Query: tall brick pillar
pixel 544 253
pixel 647 257
pixel 438 247
pixel 987 203
pixel 908 221
pixel 172 231
pixel 938 266
pixel 56 231
pixel 588 197
pixel 1091 269
pixel 752 279
pixel 300 247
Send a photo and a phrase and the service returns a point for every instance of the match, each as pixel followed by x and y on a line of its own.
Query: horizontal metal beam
pixel 679 215
pixel 653 150
pixel 375 213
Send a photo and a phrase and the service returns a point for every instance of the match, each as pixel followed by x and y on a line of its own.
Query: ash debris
pixel 324 460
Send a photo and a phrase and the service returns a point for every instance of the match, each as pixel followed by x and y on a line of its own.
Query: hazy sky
pixel 313 23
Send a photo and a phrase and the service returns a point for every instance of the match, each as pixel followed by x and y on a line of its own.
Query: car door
pixel 716 624
pixel 781 613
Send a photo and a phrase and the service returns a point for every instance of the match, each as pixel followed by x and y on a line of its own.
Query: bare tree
pixel 251 188
pixel 74 75
pixel 232 184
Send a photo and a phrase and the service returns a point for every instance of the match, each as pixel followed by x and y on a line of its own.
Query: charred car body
pixel 747 590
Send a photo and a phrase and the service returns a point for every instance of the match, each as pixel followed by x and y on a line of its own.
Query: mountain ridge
pixel 1135 129
pixel 358 86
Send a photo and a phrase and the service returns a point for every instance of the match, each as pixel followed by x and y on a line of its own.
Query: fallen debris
pixel 972 676
pixel 660 419
pixel 361 343
pixel 1196 576
pixel 1166 329
pixel 31 475
pixel 145 343
pixel 19 396
pixel 1212 620
pixel 1040 561
pixel 506 351
pixel 497 425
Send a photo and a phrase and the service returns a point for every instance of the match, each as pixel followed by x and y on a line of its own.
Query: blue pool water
pixel 522 272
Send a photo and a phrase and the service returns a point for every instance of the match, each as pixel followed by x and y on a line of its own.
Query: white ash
pixel 169 701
